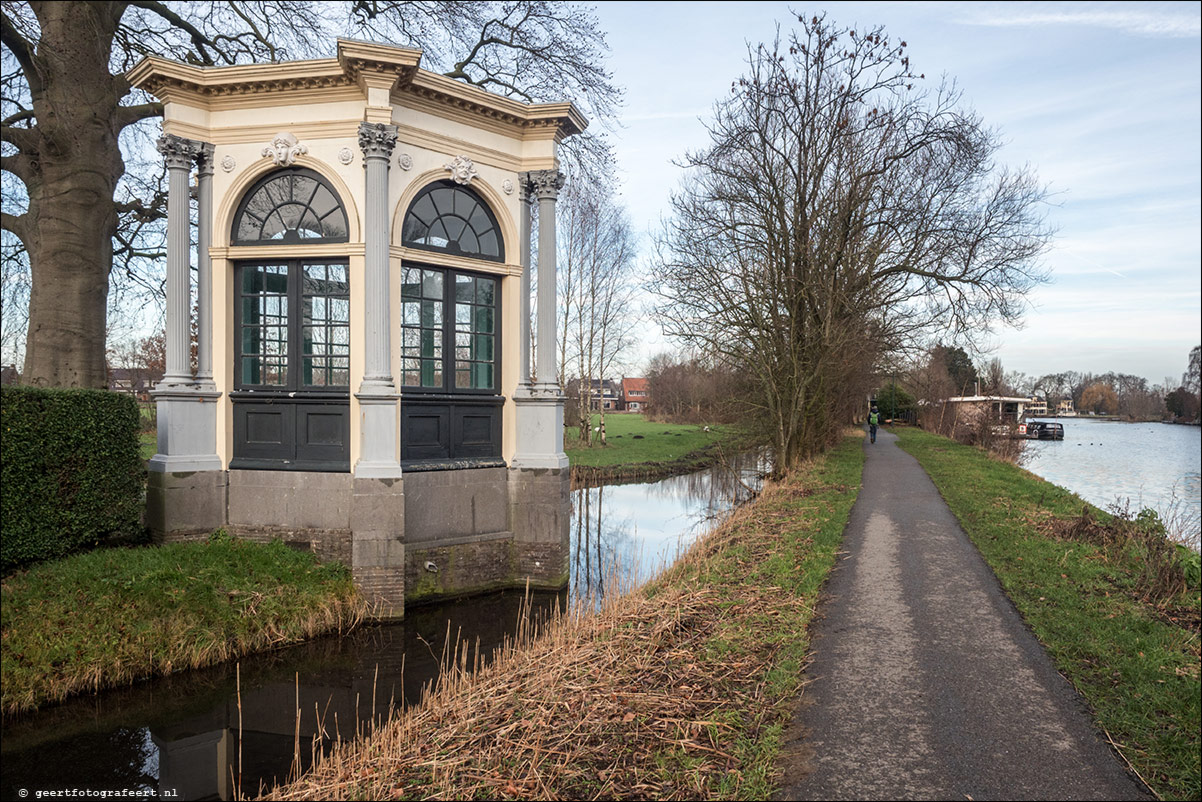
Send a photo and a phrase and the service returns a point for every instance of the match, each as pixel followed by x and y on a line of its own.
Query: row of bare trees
pixel 840 214
pixel 597 287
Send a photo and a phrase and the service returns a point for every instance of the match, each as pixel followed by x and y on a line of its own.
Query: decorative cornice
pixel 544 184
pixel 359 64
pixel 178 152
pixel 377 140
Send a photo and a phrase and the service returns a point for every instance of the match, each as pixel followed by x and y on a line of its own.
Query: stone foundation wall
pixel 481 529
pixel 450 504
pixel 459 569
pixel 329 545
pixel 290 499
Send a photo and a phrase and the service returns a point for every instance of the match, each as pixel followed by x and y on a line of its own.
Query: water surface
pixel 203 734
pixel 1132 465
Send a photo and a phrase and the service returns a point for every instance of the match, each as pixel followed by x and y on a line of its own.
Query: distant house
pixel 1004 409
pixel 9 375
pixel 1037 406
pixel 634 395
pixel 1065 408
pixel 138 382
pixel 602 393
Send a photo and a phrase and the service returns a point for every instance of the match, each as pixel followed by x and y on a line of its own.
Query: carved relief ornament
pixel 284 149
pixel 462 170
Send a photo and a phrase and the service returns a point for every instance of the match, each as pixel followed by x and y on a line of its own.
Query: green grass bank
pixel 679 691
pixel 113 616
pixel 640 450
pixel 1099 597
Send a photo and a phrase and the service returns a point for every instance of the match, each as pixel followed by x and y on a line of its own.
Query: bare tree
pixel 1191 380
pixel 67 107
pixel 596 290
pixel 993 378
pixel 837 214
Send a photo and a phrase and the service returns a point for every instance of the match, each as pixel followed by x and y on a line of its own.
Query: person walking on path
pixel 925 683
pixel 874 418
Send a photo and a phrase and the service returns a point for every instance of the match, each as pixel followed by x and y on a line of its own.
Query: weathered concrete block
pixel 377 518
pixel 540 505
pixel 180 504
pixel 290 499
pixel 460 569
pixel 446 504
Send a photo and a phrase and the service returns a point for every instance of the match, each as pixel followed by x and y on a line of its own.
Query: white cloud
pixel 1139 23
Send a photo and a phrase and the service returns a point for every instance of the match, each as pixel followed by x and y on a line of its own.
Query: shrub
pixel 72 475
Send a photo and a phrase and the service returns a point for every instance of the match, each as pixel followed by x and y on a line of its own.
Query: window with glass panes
pixel 294 326
pixel 449 330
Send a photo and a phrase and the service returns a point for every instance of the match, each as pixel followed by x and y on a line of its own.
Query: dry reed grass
pixel 1160 579
pixel 652 697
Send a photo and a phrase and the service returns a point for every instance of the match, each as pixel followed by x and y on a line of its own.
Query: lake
pixel 1138 465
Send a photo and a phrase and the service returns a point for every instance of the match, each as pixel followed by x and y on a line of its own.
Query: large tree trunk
pixel 71 180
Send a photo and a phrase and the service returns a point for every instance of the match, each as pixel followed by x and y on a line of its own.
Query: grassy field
pixel 638 448
pixel 112 616
pixel 681 691
pixel 1101 595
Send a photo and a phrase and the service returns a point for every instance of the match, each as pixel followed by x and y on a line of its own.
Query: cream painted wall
pixel 326 122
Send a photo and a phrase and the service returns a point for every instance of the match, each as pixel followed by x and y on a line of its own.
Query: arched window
pixel 290 206
pixel 449 218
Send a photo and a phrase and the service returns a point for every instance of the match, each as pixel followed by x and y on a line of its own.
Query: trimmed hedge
pixel 72 474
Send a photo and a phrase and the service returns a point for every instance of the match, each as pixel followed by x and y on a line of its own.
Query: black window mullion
pixel 448 330
pixel 296 324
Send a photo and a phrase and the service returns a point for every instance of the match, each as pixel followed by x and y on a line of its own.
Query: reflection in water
pixel 194 734
pixel 623 535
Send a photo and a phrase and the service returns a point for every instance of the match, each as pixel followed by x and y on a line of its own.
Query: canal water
pixel 1132 465
pixel 199 734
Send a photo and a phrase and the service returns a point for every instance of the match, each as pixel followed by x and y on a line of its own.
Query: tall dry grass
pixel 656 695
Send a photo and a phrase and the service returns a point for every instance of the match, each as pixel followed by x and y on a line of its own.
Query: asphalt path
pixel 925 683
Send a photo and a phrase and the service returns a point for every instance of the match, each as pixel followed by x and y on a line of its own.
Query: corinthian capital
pixel 377 139
pixel 177 151
pixel 204 159
pixel 544 184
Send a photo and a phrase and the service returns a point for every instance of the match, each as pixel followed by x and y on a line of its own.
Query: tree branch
pixel 24 114
pixel 128 115
pixel 25 139
pixel 16 224
pixel 23 51
pixel 198 38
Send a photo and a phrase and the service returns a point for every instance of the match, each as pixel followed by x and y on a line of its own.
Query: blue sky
pixel 1101 99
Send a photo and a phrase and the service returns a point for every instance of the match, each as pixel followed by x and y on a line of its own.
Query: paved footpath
pixel 925 682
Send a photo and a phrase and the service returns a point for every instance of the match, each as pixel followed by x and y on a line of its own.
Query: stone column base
pixel 187 433
pixel 539 415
